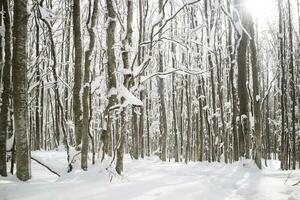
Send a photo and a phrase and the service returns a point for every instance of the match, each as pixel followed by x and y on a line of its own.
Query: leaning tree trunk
pixel 5 96
pixel 19 78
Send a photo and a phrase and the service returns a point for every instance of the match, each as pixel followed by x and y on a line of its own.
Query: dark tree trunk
pixel 78 70
pixel 111 76
pixel 292 86
pixel 242 82
pixel 19 78
pixel 86 84
pixel 281 58
pixel 5 96
pixel 233 89
pixel 162 107
pixel 256 98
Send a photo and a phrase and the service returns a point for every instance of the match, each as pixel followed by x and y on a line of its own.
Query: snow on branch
pixel 185 71
pixel 46 14
pixel 121 91
pixel 129 97
pixel 174 15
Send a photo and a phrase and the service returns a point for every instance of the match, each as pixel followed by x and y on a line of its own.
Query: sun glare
pixel 261 10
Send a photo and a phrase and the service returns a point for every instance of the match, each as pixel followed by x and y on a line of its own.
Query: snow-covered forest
pixel 150 99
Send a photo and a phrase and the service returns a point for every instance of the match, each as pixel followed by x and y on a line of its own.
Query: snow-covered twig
pixel 174 15
pixel 173 71
pixel 269 89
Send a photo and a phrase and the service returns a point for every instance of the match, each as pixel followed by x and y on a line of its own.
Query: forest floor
pixel 151 179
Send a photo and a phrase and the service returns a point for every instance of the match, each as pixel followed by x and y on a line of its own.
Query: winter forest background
pixel 104 91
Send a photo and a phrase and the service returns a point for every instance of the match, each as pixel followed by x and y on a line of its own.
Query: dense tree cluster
pixel 190 80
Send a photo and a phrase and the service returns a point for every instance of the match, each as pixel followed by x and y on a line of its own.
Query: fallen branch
pixel 296 183
pixel 288 177
pixel 51 170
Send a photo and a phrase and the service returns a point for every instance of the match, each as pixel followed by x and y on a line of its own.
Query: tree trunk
pixel 256 98
pixel 5 96
pixel 292 87
pixel 189 131
pixel 38 93
pixel 201 130
pixel 281 58
pixel 233 89
pixel 211 69
pixel 86 84
pixel 125 56
pixel 19 78
pixel 162 107
pixel 242 82
pixel 77 71
pixel 111 76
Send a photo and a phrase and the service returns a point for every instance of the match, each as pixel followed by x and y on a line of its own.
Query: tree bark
pixel 19 78
pixel 77 71
pixel 111 76
pixel 162 107
pixel 292 86
pixel 256 98
pixel 242 81
pixel 281 58
pixel 5 96
pixel 125 56
pixel 86 84
pixel 233 89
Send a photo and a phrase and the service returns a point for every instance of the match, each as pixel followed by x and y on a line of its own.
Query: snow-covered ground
pixel 151 179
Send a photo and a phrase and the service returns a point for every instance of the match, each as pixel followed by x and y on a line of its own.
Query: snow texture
pixel 151 179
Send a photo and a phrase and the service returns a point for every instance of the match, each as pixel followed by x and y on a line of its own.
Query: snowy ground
pixel 152 179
